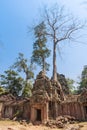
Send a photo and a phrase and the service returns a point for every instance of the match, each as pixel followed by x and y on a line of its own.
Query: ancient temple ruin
pixel 46 95
pixel 48 101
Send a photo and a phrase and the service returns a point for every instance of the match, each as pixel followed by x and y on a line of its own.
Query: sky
pixel 15 18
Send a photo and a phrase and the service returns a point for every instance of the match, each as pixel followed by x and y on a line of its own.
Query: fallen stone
pixel 72 127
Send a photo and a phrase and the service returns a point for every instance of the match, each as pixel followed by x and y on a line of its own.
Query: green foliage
pixel 2 90
pixel 62 80
pixel 21 65
pixel 84 73
pixel 83 81
pixel 18 112
pixel 70 85
pixel 40 51
pixel 12 82
pixel 27 91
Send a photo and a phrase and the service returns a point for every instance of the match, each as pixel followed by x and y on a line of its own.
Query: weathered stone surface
pixel 44 88
pixel 50 101
pixel 61 78
pixel 61 121
pixel 54 124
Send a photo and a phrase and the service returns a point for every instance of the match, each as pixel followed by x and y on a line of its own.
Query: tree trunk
pixel 44 69
pixel 54 62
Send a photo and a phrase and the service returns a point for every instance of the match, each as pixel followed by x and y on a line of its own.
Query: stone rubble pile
pixel 61 121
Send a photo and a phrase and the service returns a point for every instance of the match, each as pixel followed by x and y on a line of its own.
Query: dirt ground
pixel 12 125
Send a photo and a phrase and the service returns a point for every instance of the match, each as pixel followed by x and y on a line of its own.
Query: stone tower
pixel 46 94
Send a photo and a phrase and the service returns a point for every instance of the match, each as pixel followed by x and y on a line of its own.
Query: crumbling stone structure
pixel 45 97
pixel 48 101
pixel 14 107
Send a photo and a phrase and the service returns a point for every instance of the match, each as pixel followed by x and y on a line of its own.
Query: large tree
pixel 22 65
pixel 60 27
pixel 40 50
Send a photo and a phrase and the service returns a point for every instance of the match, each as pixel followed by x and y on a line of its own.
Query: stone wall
pixel 8 112
pixel 74 109
pixel 26 111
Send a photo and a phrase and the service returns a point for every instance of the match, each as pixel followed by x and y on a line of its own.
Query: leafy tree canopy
pixel 83 80
pixel 70 85
pixel 12 82
pixel 21 65
pixel 40 50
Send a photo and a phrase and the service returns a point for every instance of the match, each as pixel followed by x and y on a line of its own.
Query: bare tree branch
pixel 60 26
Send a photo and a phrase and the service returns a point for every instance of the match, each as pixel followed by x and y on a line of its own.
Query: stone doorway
pixel 39 112
pixel 38 116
